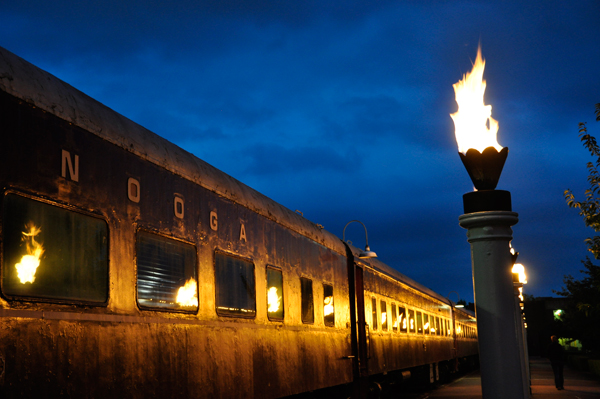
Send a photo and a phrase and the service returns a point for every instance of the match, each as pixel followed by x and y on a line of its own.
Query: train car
pixel 131 268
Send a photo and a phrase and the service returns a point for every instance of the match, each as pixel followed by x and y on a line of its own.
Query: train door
pixel 358 327
pixel 363 350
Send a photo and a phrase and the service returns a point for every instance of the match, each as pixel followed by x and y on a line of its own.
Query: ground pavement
pixel 578 385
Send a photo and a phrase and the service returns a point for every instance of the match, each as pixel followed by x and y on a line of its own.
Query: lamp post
pixel 488 219
pixel 367 253
pixel 358 328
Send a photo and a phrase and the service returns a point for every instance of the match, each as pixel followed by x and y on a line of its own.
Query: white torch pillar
pixel 500 353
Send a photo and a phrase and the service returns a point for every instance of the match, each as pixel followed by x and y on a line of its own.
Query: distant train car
pixel 131 268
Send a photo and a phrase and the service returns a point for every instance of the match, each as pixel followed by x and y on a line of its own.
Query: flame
pixel 383 318
pixel 29 263
pixel 187 295
pixel 328 307
pixel 520 270
pixel 404 323
pixel 412 324
pixel 273 300
pixel 473 117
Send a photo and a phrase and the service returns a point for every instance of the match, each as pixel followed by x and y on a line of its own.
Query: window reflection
pixel 51 252
pixel 235 286
pixel 274 294
pixel 328 309
pixel 308 306
pixel 384 319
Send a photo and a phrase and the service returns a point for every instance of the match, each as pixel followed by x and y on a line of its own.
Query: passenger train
pixel 132 269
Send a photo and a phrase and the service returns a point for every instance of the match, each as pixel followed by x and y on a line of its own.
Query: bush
pixel 594 365
pixel 578 362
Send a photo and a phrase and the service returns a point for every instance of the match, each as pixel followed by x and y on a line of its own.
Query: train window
pixel 374 310
pixel 166 273
pixel 394 318
pixel 54 253
pixel 235 287
pixel 426 325
pixel 384 316
pixel 437 326
pixel 274 294
pixel 419 323
pixel 328 309
pixel 402 319
pixel 411 320
pixel 308 307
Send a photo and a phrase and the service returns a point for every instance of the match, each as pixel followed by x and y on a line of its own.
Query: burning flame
pixel 383 318
pixel 328 307
pixel 520 270
pixel 473 122
pixel 187 295
pixel 273 300
pixel 404 323
pixel 29 263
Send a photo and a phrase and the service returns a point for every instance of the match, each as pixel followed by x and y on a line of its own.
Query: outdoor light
pixel 488 219
pixel 367 253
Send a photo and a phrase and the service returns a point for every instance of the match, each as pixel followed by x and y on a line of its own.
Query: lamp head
pixel 367 253
pixel 485 167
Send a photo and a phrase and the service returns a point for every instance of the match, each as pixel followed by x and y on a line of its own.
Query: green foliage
pixel 582 316
pixel 589 208
pixel 581 319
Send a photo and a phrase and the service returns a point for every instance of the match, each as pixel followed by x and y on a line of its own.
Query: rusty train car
pixel 131 268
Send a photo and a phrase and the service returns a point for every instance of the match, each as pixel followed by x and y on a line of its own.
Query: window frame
pixel 405 317
pixel 412 327
pixel 302 301
pixel 278 270
pixel 374 314
pixel 146 231
pixel 328 323
pixel 244 259
pixel 383 311
pixel 65 207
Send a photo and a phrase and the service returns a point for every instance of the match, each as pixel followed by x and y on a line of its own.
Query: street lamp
pixel 367 253
pixel 488 219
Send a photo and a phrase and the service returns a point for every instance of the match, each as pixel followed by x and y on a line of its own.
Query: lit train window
pixel 274 294
pixel 235 287
pixel 308 306
pixel 51 252
pixel 402 320
pixel 384 316
pixel 166 273
pixel 426 324
pixel 411 321
pixel 328 309
pixel 419 323
pixel 374 310
pixel 394 318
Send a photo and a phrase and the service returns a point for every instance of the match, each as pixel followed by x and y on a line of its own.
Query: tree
pixel 589 208
pixel 582 317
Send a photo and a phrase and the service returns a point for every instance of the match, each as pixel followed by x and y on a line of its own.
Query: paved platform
pixel 578 385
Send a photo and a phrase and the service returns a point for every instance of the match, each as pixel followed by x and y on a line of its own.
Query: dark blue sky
pixel 341 109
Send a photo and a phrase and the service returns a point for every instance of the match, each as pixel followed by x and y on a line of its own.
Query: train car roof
pixel 35 86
